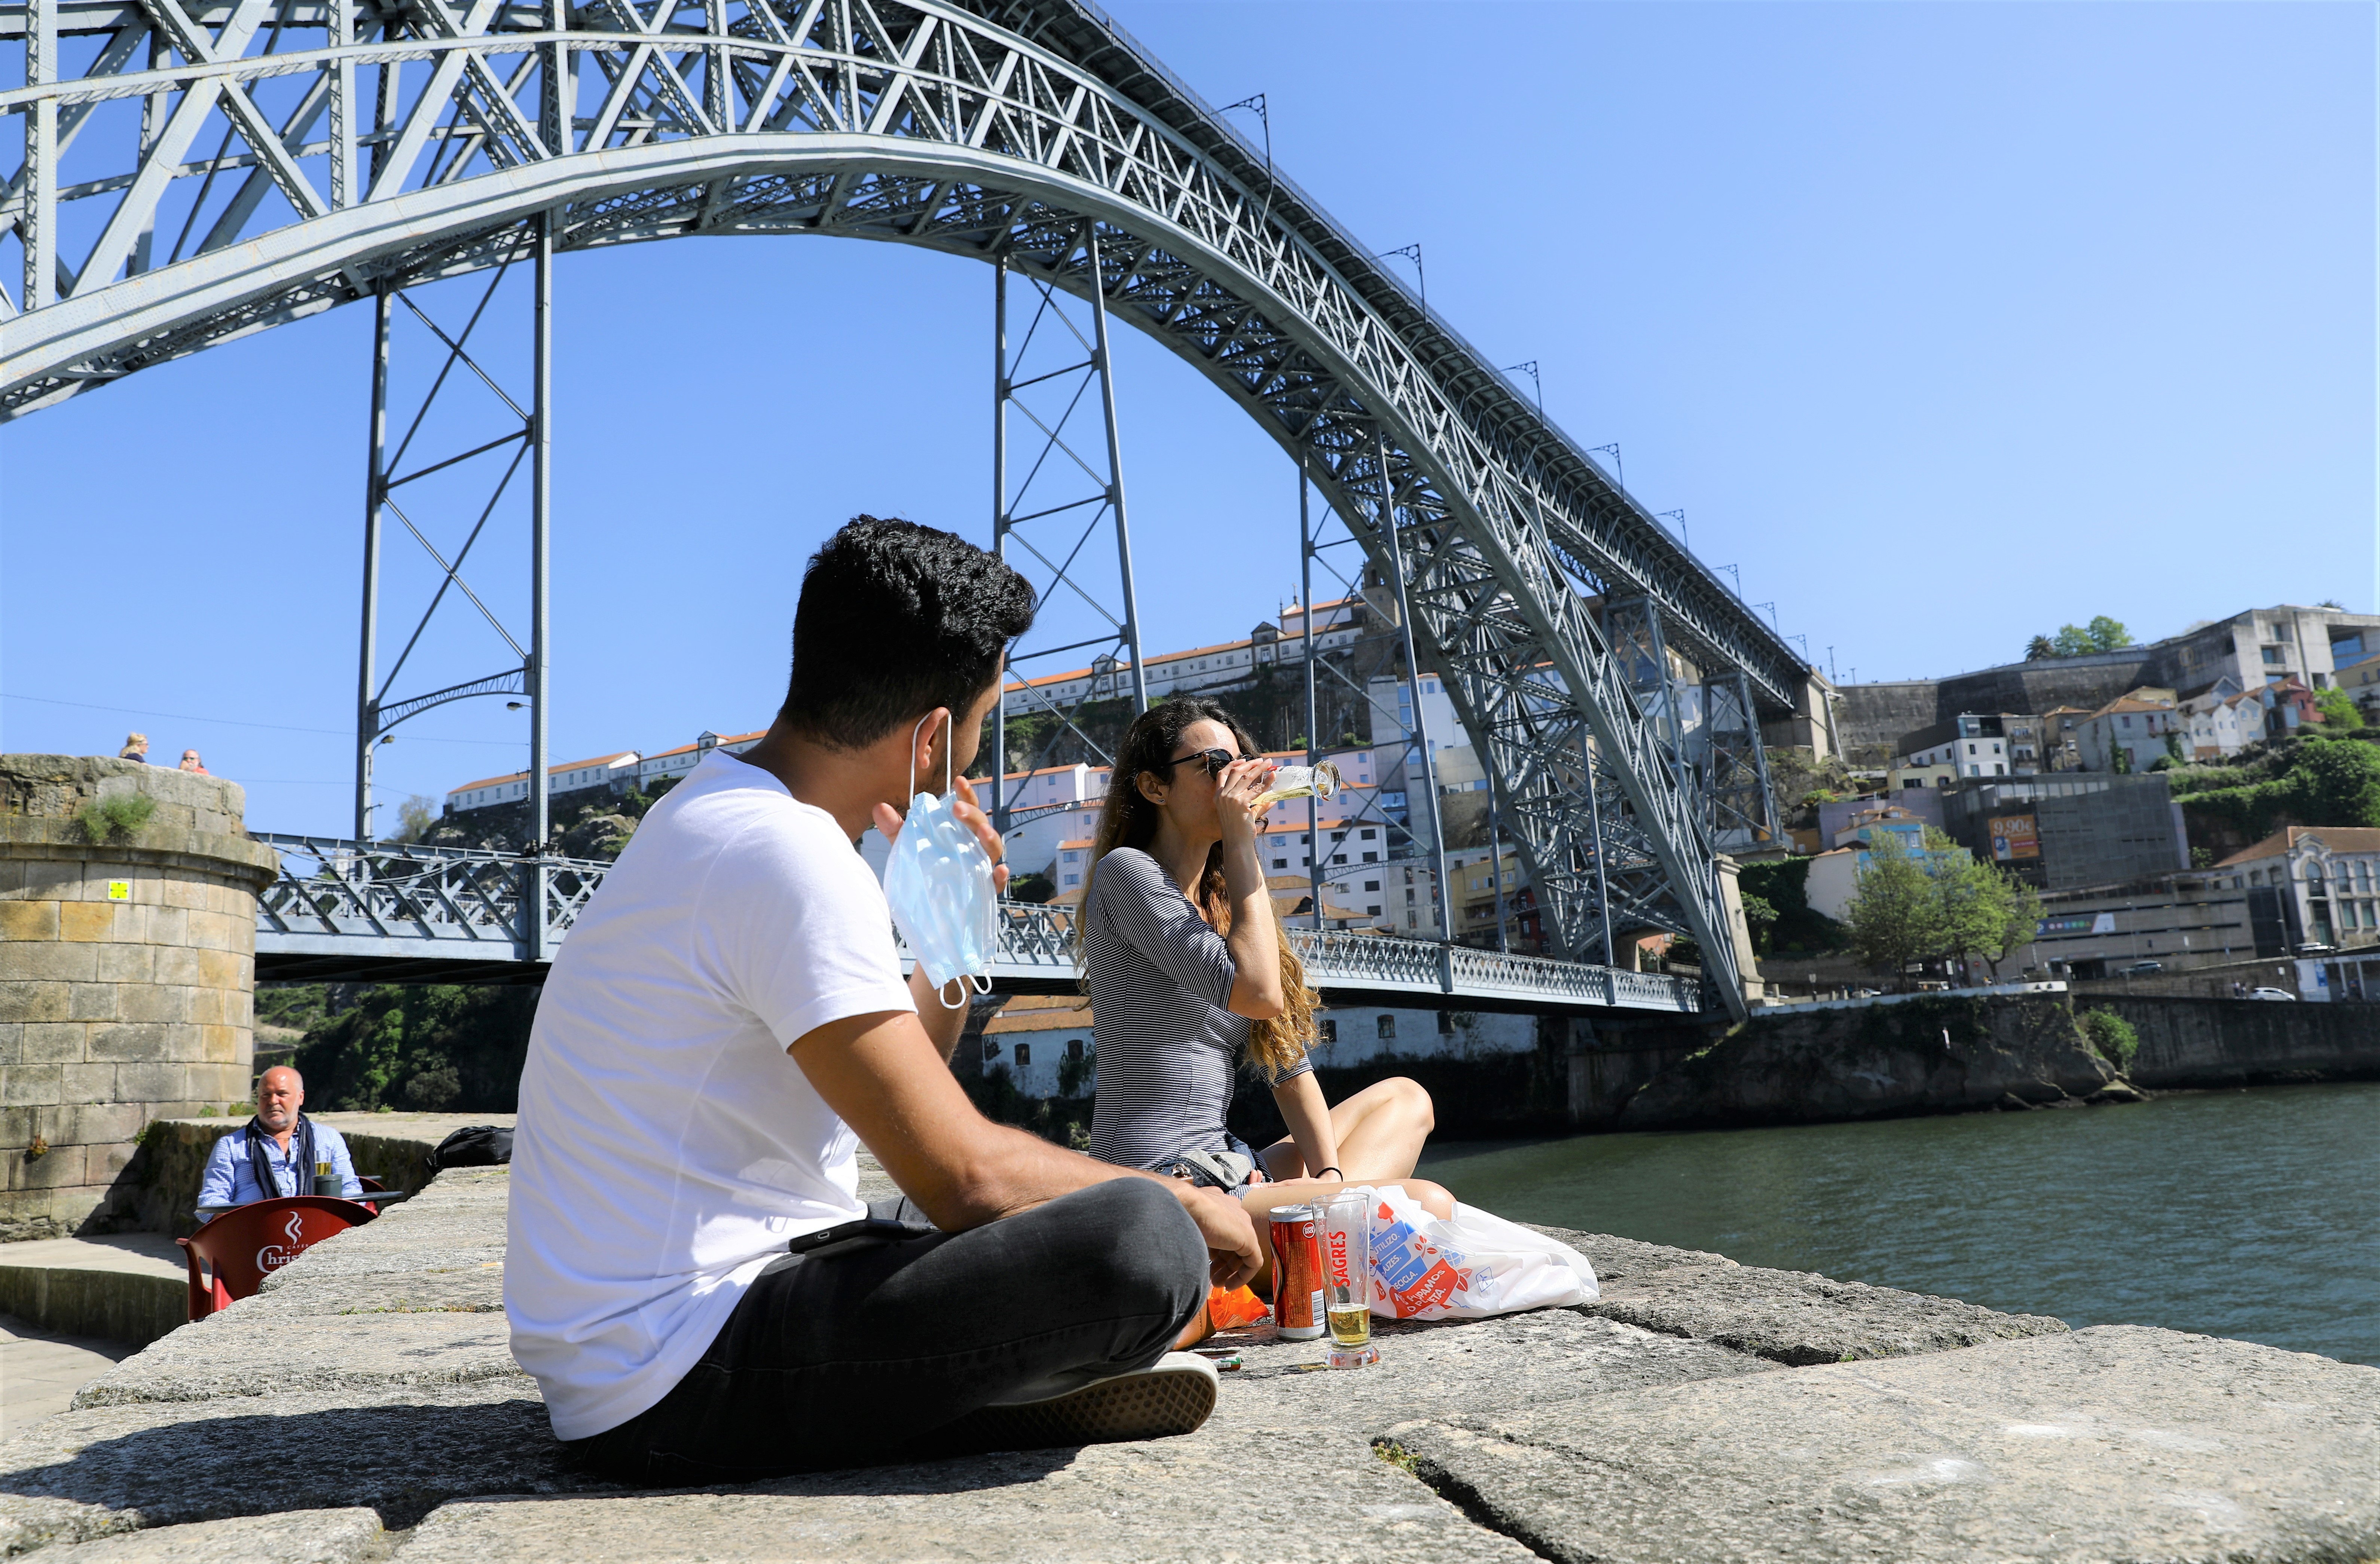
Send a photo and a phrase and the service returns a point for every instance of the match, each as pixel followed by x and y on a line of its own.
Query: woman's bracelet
pixel 1342 1176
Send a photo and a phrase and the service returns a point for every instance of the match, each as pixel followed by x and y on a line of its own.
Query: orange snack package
pixel 1235 1308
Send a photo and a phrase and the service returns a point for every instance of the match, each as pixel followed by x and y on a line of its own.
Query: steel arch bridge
pixel 1031 133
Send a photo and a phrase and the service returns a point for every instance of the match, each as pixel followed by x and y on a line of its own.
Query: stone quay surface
pixel 365 1406
pixel 126 975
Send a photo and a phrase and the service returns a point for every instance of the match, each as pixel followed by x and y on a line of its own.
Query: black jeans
pixel 860 1357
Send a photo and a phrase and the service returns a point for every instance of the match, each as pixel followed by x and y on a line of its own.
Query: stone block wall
pixel 2214 1043
pixel 127 977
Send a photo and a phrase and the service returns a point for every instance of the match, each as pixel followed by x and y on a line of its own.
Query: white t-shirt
pixel 667 1145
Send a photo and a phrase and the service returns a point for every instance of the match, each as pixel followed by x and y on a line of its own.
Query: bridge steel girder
pixel 925 123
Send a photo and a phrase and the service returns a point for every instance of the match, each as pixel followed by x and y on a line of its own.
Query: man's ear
pixel 926 746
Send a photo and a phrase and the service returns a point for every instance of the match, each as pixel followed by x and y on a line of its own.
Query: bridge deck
pixel 382 913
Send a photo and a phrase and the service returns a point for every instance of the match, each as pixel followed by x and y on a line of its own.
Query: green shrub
pixel 118 818
pixel 2112 1036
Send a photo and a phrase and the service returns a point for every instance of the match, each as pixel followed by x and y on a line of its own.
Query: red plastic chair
pixel 241 1248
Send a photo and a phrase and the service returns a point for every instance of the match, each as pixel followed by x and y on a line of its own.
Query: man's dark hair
pixel 894 620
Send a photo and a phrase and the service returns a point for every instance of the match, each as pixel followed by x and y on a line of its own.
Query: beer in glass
pixel 1347 1280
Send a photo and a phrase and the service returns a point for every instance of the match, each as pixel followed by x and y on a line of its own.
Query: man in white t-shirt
pixel 726 1024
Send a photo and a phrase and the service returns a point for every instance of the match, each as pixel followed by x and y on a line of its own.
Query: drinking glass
pixel 1297 781
pixel 1347 1278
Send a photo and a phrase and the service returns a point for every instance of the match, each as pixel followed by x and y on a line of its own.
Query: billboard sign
pixel 2078 923
pixel 2014 837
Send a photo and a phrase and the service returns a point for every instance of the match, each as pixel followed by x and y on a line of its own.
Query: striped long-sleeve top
pixel 1159 979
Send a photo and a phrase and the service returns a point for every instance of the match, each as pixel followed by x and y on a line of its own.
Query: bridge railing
pixel 332 888
pixel 404 901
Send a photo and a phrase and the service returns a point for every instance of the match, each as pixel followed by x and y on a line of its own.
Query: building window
pixel 1371 857
pixel 1326 1030
pixel 1073 1048
pixel 1371 885
pixel 1024 1055
pixel 1372 911
pixel 1369 835
pixel 1388 1027
pixel 991 1047
pixel 1338 857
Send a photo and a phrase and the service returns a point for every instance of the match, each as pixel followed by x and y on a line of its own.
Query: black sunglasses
pixel 1214 760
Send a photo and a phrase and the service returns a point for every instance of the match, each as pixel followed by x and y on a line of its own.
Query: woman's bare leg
pixel 1381 1131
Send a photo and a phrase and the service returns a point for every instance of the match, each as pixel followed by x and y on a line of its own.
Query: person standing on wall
pixel 689 1273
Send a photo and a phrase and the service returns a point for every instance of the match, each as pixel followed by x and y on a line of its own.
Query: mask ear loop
pixel 961 1002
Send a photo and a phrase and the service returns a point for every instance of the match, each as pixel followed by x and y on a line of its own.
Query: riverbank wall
pixel 2194 1043
pixel 1937 1054
pixel 1897 1056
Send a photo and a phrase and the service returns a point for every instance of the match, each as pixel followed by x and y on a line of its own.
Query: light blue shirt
pixel 230 1178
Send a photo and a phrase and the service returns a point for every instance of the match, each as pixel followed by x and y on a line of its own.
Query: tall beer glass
pixel 1347 1280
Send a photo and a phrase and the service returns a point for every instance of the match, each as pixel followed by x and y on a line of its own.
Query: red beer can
pixel 1296 1273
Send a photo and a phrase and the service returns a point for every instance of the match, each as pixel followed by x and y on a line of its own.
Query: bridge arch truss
pixel 1032 132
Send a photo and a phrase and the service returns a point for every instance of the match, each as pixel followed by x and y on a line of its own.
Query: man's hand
pixel 969 813
pixel 1230 1233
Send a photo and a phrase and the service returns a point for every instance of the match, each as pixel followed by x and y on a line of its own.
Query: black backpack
pixel 474 1145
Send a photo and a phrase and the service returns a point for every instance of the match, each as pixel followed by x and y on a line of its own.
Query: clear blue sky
pixel 1946 323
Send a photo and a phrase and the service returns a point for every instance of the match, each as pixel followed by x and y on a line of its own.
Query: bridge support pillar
pixel 128 961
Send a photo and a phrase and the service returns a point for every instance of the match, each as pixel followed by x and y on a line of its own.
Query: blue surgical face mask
pixel 938 882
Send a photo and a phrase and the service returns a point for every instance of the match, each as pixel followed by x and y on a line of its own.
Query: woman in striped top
pixel 1188 972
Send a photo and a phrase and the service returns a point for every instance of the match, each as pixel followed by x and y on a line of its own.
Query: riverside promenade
pixel 364 1406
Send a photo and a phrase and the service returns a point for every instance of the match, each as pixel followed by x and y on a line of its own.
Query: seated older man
pixel 276 1152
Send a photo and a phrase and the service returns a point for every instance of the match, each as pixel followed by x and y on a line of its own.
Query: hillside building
pixel 611 774
pixel 2072 830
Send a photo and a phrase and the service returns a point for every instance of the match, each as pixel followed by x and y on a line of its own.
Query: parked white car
pixel 2272 994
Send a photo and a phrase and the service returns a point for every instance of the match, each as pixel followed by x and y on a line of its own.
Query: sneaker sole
pixel 1175 1395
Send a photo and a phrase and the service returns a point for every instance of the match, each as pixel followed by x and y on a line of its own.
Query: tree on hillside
pixel 2102 634
pixel 2039 648
pixel 1895 917
pixel 2107 635
pixel 413 818
pixel 1973 899
pixel 2318 779
pixel 2338 713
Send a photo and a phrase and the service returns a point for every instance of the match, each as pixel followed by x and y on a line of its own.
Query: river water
pixel 2250 1214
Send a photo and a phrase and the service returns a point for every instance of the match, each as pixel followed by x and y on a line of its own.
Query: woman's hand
pixel 1236 792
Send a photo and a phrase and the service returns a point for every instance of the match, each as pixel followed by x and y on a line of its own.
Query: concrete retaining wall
pixel 134 1307
pixel 2187 1042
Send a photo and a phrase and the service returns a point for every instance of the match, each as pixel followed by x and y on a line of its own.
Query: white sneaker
pixel 1174 1395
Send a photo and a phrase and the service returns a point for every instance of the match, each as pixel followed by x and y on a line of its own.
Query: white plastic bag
pixel 1470 1267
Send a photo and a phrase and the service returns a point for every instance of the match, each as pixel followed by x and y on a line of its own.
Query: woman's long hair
pixel 1130 821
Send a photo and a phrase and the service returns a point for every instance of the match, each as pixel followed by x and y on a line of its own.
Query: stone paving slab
pixel 1794 1317
pixel 2114 1442
pixel 234 1355
pixel 1481 1366
pixel 41 1370
pixel 476 1287
pixel 456 1224
pixel 88 1473
pixel 1288 1495
pixel 305 1536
